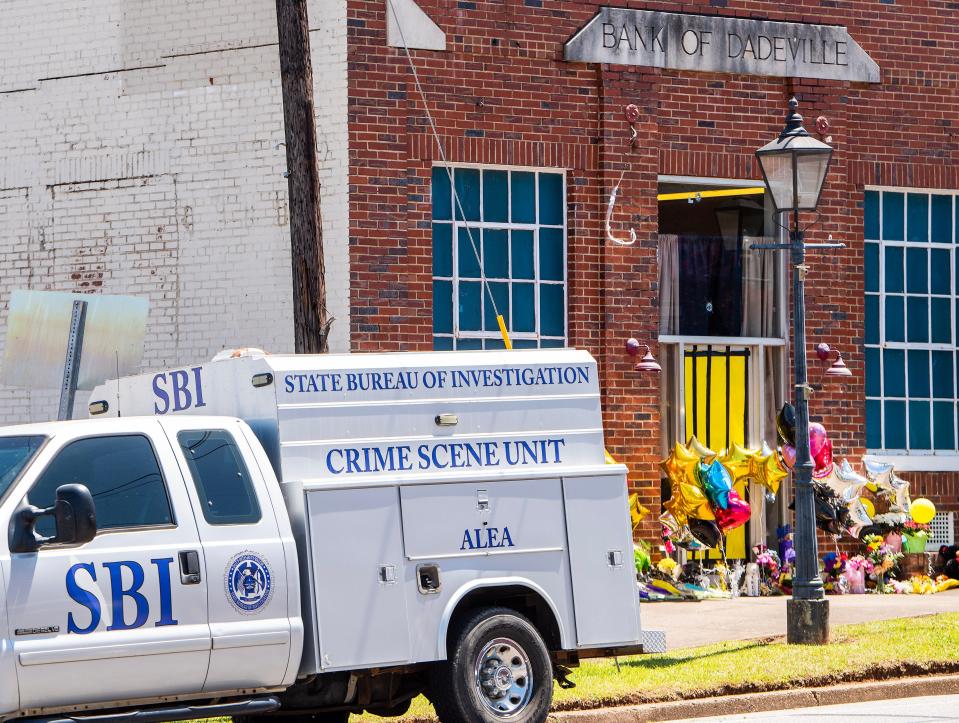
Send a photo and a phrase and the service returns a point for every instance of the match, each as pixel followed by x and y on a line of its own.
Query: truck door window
pixel 15 452
pixel 221 477
pixel 121 473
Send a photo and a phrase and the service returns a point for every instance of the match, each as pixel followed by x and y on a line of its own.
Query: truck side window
pixel 221 477
pixel 121 473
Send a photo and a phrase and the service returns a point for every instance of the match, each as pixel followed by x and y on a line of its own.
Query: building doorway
pixel 722 328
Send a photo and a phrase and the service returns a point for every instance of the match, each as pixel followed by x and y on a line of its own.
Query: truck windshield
pixel 15 453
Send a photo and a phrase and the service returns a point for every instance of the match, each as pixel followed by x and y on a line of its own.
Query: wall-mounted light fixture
pixel 838 368
pixel 648 363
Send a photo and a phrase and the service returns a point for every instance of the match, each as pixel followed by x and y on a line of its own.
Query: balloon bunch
pixel 838 488
pixel 820 446
pixel 704 503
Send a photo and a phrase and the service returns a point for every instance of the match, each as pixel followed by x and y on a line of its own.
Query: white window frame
pixel 919 459
pixel 755 379
pixel 478 226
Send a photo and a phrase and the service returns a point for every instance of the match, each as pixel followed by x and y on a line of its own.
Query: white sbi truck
pixel 310 536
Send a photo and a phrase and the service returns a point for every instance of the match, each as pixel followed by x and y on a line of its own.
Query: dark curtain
pixel 710 286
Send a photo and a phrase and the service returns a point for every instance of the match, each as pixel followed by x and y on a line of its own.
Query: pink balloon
pixel 788 453
pixel 736 515
pixel 823 460
pixel 817 438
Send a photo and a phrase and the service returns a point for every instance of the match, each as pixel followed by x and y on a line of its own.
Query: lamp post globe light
pixel 794 167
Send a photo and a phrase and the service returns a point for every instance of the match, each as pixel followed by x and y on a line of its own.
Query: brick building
pixel 140 154
pixel 536 142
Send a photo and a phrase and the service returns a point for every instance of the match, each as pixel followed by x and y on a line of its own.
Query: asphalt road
pixel 902 710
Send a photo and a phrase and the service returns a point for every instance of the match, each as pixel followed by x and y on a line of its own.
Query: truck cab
pixel 189 586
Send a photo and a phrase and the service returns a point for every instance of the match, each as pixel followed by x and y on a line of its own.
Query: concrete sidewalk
pixel 765 703
pixel 689 624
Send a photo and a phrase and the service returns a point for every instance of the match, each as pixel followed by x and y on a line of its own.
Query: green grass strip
pixel 868 651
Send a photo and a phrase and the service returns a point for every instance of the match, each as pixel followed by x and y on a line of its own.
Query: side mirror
pixel 73 511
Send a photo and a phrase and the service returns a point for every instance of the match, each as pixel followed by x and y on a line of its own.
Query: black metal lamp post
pixel 794 167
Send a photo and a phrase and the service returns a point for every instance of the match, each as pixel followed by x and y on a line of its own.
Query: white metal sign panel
pixel 463 519
pixel 38 324
pixel 601 561
pixel 358 571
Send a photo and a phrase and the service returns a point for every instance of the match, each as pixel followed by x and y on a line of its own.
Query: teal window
pixel 912 358
pixel 499 247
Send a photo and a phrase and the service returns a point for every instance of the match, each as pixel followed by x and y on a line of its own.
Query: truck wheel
pixel 498 669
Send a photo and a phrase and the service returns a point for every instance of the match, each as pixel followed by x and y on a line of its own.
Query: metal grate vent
pixel 943 528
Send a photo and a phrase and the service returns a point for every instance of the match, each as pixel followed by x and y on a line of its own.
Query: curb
pixel 760 702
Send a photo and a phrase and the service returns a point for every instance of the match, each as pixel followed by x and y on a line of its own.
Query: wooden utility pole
pixel 310 324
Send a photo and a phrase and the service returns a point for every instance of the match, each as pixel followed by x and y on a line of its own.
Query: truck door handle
pixel 190 567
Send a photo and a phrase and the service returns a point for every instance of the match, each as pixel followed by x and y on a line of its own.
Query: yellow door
pixel 716 410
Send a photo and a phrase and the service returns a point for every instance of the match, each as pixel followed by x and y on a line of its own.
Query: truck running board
pixel 251 706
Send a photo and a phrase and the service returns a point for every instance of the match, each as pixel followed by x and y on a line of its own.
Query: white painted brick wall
pixel 138 156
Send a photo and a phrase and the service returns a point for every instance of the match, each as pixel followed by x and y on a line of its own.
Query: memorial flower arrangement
pixel 891 522
pixel 883 559
pixel 642 559
pixel 915 536
pixel 770 570
pixel 669 568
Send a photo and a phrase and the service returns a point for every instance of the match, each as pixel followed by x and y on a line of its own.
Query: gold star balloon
pixel 688 498
pixel 636 509
pixel 700 449
pixel 768 469
pixel 738 461
pixel 680 465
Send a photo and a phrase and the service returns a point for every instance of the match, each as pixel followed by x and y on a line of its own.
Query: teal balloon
pixel 716 482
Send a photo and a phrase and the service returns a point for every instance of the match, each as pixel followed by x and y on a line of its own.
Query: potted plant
pixel 915 537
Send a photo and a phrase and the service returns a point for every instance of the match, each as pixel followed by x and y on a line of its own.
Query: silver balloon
pixel 858 514
pixel 901 488
pixel 845 482
pixel 878 471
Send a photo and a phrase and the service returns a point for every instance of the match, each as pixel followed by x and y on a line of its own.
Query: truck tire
pixel 498 670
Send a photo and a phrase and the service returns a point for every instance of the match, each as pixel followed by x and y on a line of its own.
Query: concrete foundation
pixel 807 622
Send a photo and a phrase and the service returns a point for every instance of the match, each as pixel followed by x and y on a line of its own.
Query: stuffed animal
pixel 736 577
pixel 752 580
pixel 946 561
pixel 786 552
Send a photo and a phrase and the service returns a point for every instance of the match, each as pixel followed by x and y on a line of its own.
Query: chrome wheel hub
pixel 504 677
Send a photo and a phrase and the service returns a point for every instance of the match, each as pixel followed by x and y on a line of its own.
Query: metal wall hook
pixel 609 217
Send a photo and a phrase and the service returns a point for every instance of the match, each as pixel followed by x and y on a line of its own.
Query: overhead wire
pixel 449 172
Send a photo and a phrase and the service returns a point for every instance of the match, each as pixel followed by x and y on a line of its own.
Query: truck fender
pixel 490 582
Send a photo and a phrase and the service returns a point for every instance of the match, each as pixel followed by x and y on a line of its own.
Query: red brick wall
pixel 502 94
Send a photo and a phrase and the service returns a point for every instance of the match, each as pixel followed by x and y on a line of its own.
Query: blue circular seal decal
pixel 248 582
